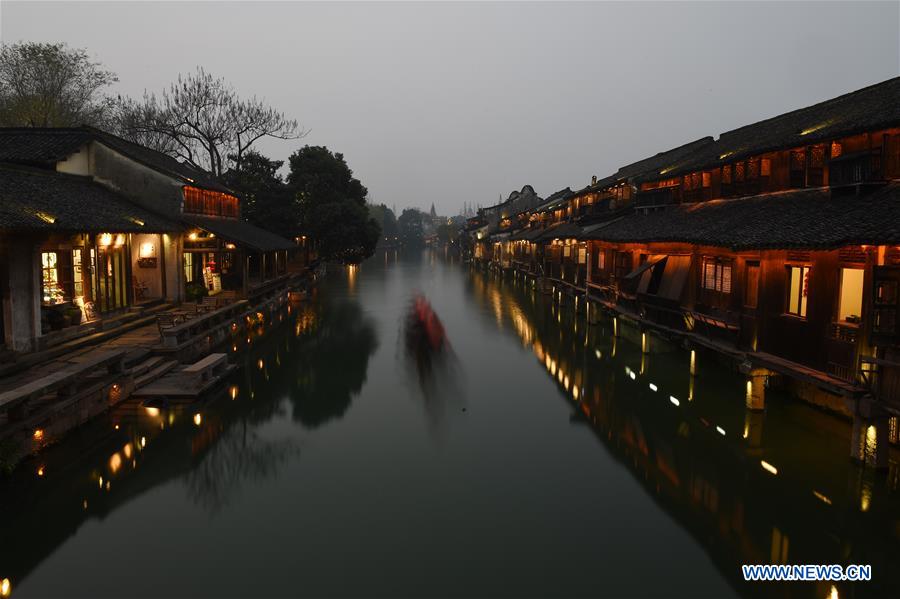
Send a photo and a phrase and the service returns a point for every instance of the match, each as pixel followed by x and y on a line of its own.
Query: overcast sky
pixel 457 102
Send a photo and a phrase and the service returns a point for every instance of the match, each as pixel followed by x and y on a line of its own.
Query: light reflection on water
pixel 547 457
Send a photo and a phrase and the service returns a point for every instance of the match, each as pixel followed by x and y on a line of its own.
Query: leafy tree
pixel 447 233
pixel 386 219
pixel 202 120
pixel 51 85
pixel 332 205
pixel 412 228
pixel 267 201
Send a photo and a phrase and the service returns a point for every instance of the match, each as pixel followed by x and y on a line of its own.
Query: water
pixel 528 462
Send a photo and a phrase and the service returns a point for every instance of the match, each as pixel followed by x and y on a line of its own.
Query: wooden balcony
pixel 856 168
pixel 662 196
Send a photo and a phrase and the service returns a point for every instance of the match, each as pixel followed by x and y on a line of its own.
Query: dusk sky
pixel 454 102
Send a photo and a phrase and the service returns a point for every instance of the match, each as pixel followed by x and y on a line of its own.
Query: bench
pixel 63 382
pixel 207 369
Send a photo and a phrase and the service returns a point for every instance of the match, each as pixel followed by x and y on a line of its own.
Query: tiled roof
pixel 802 219
pixel 867 109
pixel 240 232
pixel 44 147
pixel 36 199
pixel 564 230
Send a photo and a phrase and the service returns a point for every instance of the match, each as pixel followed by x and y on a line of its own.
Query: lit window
pixel 850 307
pixel 798 280
pixel 188 267
pixel 717 275
pixel 51 292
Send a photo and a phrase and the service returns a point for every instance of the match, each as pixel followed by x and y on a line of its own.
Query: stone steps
pixel 157 371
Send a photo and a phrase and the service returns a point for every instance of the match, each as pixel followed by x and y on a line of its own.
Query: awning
pixel 650 263
pixel 241 233
pixel 674 277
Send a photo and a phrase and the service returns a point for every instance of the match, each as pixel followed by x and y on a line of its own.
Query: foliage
pixel 447 233
pixel 266 200
pixel 202 120
pixel 51 85
pixel 332 205
pixel 195 291
pixel 411 225
pixel 386 219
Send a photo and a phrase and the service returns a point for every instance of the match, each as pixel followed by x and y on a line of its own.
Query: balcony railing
pixel 662 196
pixel 855 168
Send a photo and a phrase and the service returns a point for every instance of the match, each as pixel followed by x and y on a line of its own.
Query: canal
pixel 541 457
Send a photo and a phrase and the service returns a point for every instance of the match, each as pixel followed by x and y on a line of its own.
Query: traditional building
pixel 777 244
pixel 99 224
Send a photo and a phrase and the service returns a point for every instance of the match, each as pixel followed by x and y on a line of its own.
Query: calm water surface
pixel 536 460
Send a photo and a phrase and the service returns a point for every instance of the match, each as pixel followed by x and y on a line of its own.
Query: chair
pixel 208 303
pixel 166 320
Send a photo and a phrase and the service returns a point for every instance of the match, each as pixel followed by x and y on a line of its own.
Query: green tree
pixel 386 219
pixel 267 201
pixel 447 233
pixel 332 205
pixel 412 228
pixel 51 85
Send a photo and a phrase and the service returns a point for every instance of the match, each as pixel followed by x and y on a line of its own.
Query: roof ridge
pixel 811 106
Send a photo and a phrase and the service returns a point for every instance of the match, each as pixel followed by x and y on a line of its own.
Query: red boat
pixel 426 325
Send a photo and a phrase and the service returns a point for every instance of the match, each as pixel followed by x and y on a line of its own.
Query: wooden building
pixel 777 245
pixel 199 242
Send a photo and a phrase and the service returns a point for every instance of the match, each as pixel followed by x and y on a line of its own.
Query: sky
pixel 467 101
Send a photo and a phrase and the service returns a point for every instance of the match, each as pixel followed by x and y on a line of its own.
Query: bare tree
pixel 50 85
pixel 202 120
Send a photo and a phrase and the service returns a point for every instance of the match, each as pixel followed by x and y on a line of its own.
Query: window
pixel 717 275
pixel 765 167
pixel 798 290
pixel 210 203
pixel 77 273
pixel 51 292
pixel 850 307
pixel 601 260
pixel 188 267
pixel 751 286
pixel 726 174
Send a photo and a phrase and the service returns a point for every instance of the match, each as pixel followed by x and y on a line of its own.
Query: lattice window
pixel 717 275
pixel 739 171
pixel 726 174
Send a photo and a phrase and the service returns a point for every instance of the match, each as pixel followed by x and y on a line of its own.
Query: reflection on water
pixel 570 462
pixel 775 498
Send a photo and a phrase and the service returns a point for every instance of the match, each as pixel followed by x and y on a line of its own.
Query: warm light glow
pixel 720 430
pixel 127 450
pixel 260 364
pixel 40 471
pixel 198 418
pixel 632 375
pixel 822 498
pixel 230 246
pixel 143 442
pixel 38 434
pixel 147 250
pixel 115 462
pixel 674 400
pixel 768 467
pixel 5 588
pixel 151 411
pixel 120 240
pixel 105 239
pixel 834 593
pixel 192 236
pixel 47 218
pixel 653 387
pixel 233 392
